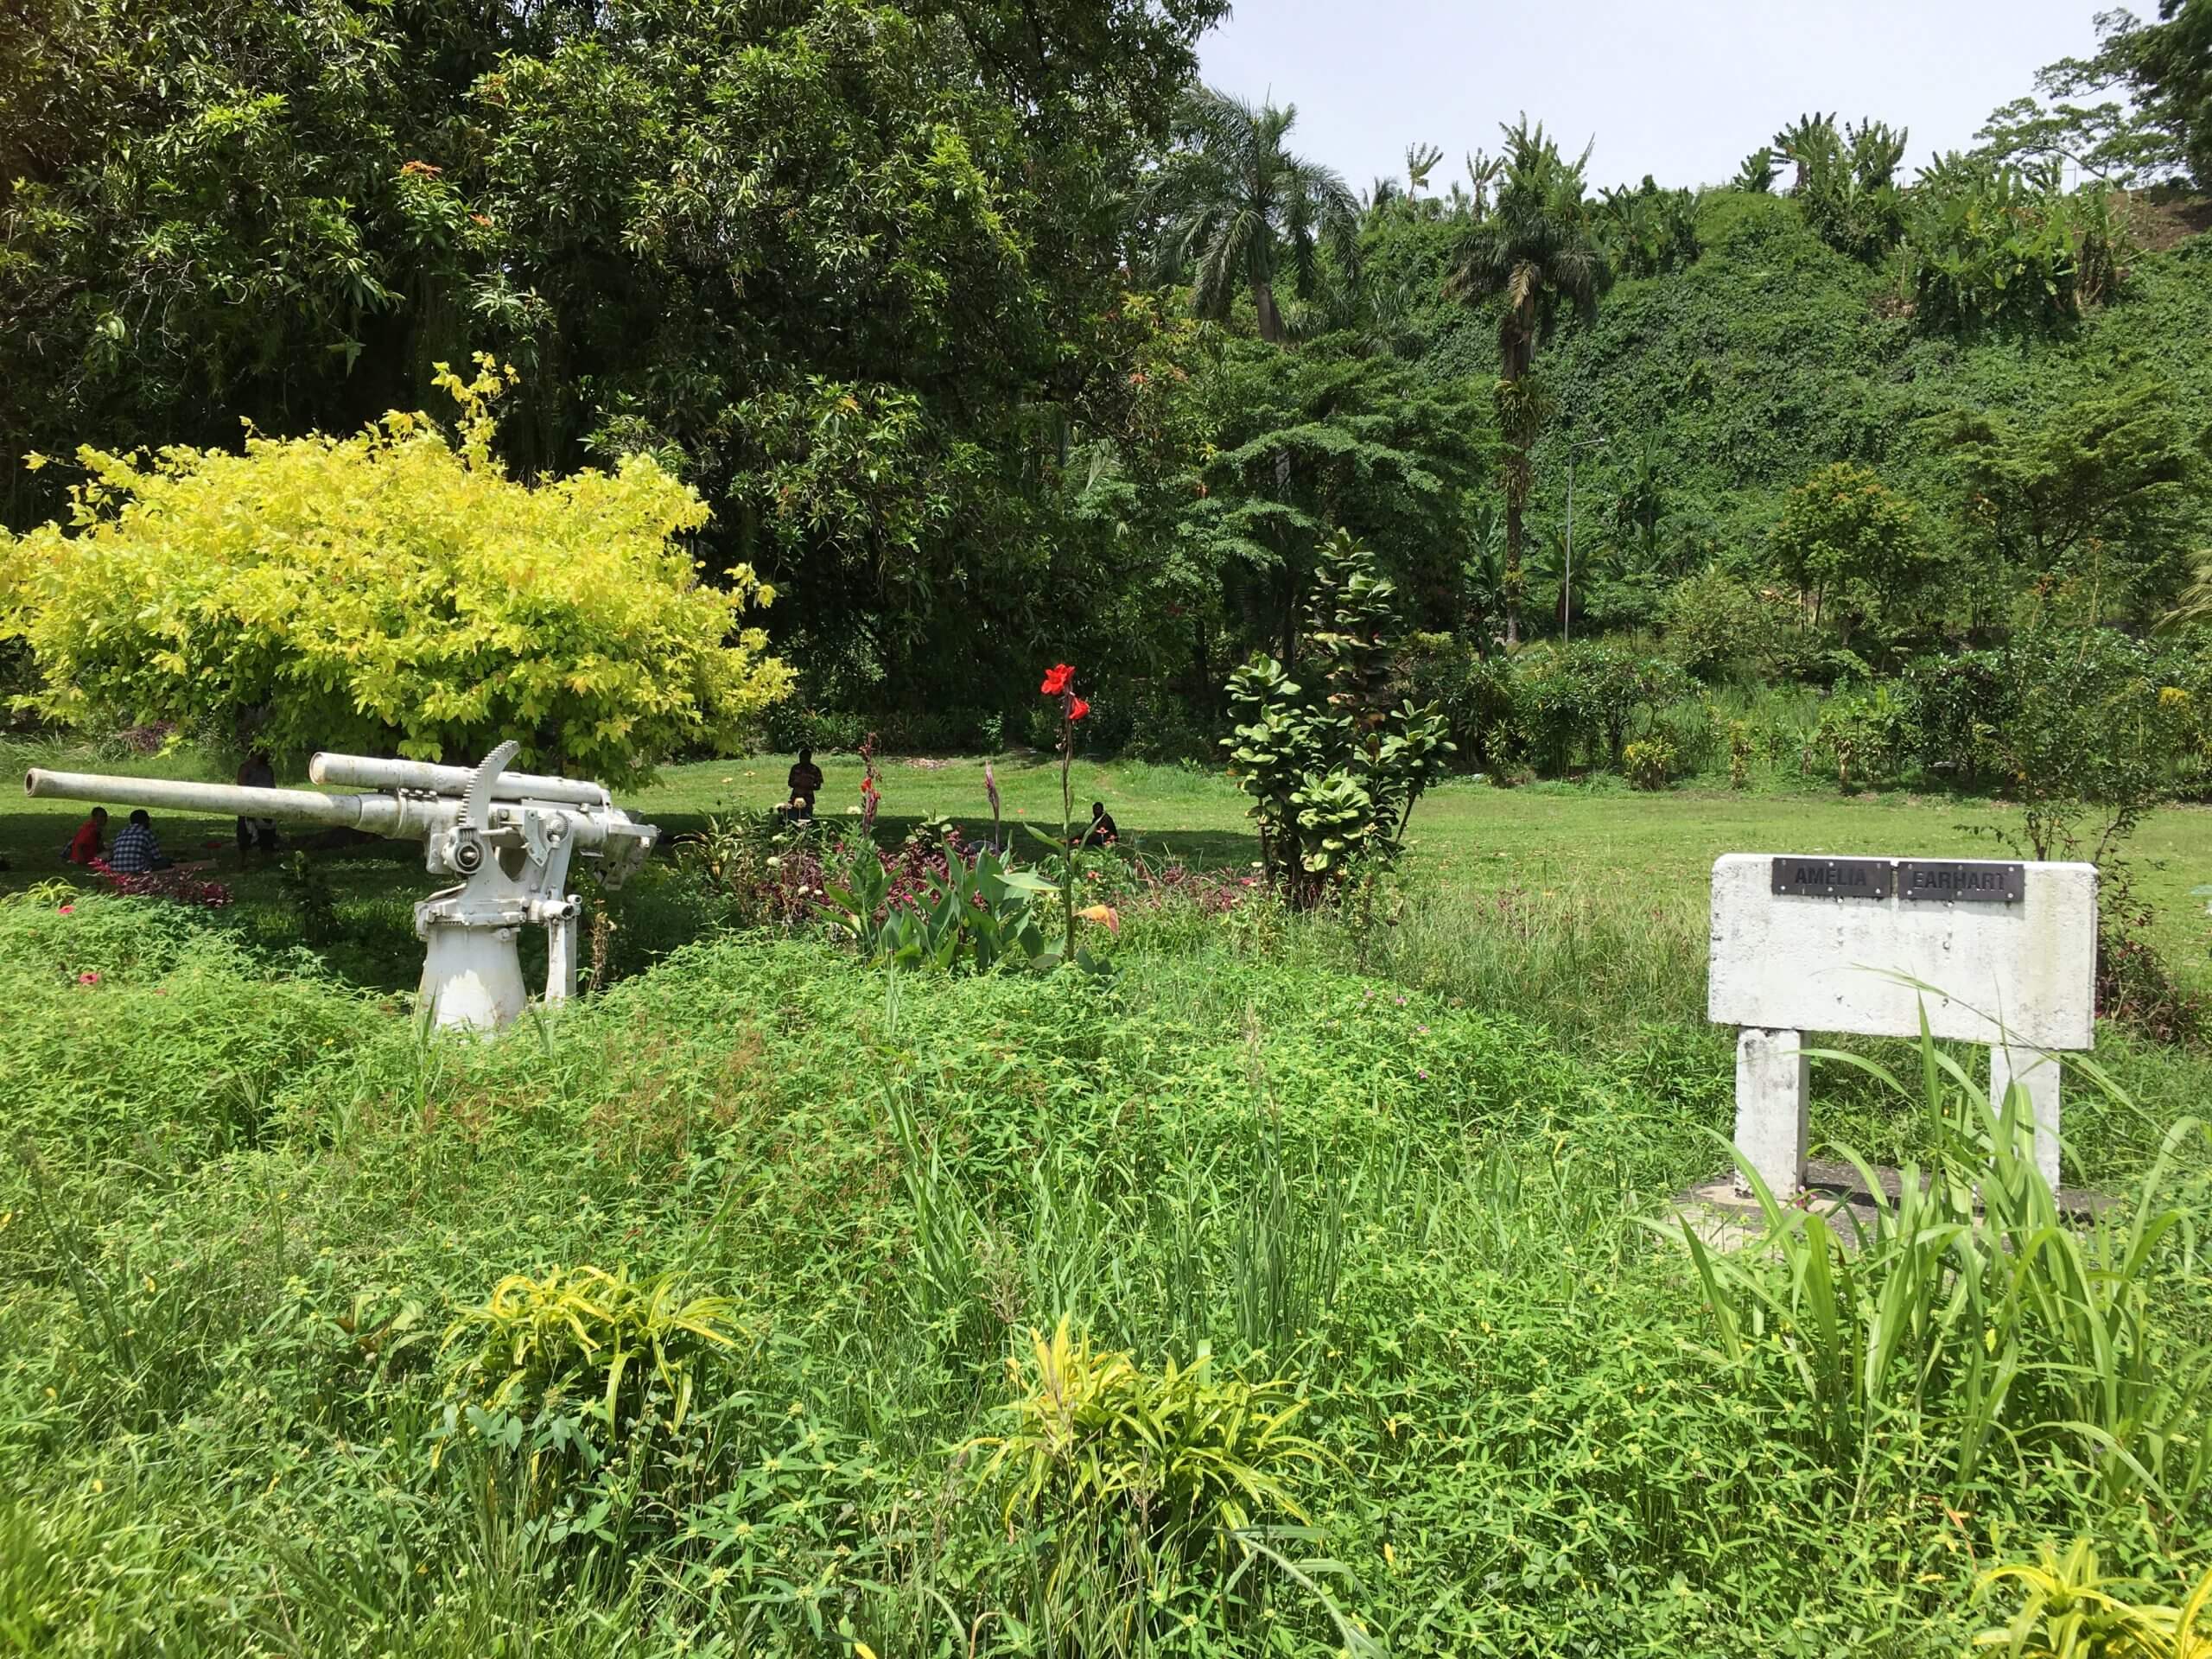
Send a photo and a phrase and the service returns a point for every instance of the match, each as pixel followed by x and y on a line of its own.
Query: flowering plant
pixel 181 886
pixel 961 913
pixel 871 797
pixel 1059 682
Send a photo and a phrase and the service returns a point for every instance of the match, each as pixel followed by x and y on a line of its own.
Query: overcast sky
pixel 1680 89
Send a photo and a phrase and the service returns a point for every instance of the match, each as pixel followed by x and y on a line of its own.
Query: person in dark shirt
pixel 257 835
pixel 90 842
pixel 804 783
pixel 1104 832
pixel 136 852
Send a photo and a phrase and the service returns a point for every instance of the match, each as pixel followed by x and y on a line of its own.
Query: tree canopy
pixel 980 330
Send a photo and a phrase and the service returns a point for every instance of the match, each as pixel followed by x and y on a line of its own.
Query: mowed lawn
pixel 1599 839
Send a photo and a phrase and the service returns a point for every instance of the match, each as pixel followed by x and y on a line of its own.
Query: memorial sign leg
pixel 1773 1084
pixel 2038 1075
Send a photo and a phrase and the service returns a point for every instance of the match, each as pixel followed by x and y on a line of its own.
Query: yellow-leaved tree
pixel 394 589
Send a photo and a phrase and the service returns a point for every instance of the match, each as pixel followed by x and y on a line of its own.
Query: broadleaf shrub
pixel 1333 769
pixel 391 590
pixel 1581 701
pixel 1186 1453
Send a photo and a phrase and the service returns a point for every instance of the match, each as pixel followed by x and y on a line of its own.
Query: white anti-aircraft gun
pixel 508 836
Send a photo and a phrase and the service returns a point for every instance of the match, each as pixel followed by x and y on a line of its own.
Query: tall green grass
pixel 1974 1322
pixel 1419 1216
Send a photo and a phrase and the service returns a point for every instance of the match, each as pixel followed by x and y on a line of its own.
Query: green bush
pixel 1717 625
pixel 1333 770
pixel 585 1336
pixel 1650 764
pixel 392 590
pixel 959 915
pixel 137 1025
pixel 1188 1453
pixel 2092 732
pixel 1990 245
pixel 1866 733
pixel 1474 693
pixel 1958 703
pixel 1580 701
pixel 790 727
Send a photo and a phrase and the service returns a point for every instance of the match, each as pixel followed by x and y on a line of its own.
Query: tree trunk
pixel 1263 302
pixel 1512 567
pixel 1518 344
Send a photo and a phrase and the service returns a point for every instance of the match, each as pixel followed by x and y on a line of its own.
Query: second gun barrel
pixel 368 771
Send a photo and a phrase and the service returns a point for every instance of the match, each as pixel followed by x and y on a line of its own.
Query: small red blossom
pixel 88 979
pixel 1077 708
pixel 1058 679
pixel 68 909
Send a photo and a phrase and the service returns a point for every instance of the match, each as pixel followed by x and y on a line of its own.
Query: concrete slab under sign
pixel 1726 1219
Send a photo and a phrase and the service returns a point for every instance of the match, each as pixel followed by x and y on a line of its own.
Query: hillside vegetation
pixel 1012 343
pixel 1731 381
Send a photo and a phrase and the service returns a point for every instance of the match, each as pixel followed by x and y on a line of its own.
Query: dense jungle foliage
pixel 910 1246
pixel 987 336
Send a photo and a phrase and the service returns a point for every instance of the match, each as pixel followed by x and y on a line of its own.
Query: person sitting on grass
pixel 89 844
pixel 804 783
pixel 136 852
pixel 1104 832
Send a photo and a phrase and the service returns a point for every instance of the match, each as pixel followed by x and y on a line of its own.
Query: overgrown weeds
pixel 1972 1320
pixel 1364 1343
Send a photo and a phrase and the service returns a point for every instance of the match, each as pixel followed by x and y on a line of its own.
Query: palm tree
pixel 1237 208
pixel 1535 252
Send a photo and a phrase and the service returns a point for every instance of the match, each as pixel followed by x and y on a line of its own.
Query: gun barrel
pixel 401 817
pixel 380 815
pixel 366 771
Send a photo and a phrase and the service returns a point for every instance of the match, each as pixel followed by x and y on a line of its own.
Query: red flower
pixel 1077 708
pixel 1056 679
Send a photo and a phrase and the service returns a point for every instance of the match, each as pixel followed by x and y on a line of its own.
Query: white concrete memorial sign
pixel 1832 944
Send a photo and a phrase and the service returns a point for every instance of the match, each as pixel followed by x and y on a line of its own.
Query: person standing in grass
pixel 805 783
pixel 136 852
pixel 91 839
pixel 257 835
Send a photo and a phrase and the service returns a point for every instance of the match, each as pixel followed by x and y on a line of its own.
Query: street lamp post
pixel 1566 586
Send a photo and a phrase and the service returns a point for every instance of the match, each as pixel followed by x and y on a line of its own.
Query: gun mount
pixel 508 837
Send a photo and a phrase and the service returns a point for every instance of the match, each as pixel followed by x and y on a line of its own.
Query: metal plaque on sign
pixel 1962 881
pixel 1834 878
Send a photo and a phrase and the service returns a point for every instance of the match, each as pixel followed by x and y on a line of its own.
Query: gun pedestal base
pixel 472 976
